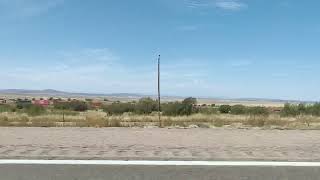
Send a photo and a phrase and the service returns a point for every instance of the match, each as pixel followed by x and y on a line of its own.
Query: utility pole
pixel 159 97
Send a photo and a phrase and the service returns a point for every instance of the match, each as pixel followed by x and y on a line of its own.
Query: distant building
pixel 43 102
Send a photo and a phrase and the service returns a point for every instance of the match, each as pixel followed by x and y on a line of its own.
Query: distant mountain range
pixel 52 93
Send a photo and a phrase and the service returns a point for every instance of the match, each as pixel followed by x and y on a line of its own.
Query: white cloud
pixel 27 8
pixel 197 3
pixel 103 71
pixel 232 5
pixel 85 70
pixel 228 5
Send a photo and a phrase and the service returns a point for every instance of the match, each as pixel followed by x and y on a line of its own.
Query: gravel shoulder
pixel 158 144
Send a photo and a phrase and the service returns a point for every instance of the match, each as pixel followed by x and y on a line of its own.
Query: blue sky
pixel 216 48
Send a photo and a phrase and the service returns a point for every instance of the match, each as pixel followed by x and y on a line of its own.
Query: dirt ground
pixel 158 144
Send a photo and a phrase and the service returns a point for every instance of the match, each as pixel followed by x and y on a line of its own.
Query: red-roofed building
pixel 43 103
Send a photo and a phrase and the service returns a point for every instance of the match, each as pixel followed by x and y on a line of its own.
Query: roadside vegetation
pixel 143 113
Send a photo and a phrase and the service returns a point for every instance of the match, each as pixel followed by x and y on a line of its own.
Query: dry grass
pixel 101 119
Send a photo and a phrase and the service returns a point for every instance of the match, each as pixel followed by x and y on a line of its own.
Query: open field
pixel 159 144
pixel 101 119
pixel 265 103
pixel 187 113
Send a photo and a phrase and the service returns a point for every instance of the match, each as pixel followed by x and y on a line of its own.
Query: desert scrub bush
pixel 218 122
pixel 293 110
pixel 313 109
pixel 7 108
pixel 64 112
pixel 3 117
pixel 208 110
pixel 290 110
pixel 199 118
pixel 238 109
pixel 34 110
pixel 171 108
pixel 277 121
pixel 258 111
pixel 224 109
pixel 96 120
pixel 119 108
pixel 73 105
pixel 256 121
pixel 146 106
pixel 24 118
pixel 186 107
pixel 307 120
pixel 113 122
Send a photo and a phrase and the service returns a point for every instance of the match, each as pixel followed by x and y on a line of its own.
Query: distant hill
pixel 52 92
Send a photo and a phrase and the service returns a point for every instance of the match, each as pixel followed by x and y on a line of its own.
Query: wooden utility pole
pixel 159 97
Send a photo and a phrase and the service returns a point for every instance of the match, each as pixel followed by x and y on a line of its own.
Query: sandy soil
pixel 173 144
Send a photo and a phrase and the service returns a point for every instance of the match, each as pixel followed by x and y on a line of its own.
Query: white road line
pixel 159 163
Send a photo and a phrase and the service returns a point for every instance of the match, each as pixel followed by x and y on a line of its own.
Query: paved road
pixel 116 172
pixel 159 144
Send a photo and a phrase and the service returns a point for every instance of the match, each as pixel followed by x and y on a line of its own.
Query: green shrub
pixel 290 110
pixel 314 109
pixel 119 108
pixel 72 105
pixel 34 110
pixel 146 106
pixel 238 109
pixel 256 121
pixel 225 109
pixel 258 110
pixel 186 107
pixel 65 112
pixel 21 104
pixel 171 108
pixel 6 108
pixel 208 110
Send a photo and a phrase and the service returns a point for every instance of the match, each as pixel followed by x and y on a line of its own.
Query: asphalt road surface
pixel 155 172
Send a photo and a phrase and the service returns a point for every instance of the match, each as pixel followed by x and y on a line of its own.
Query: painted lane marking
pixel 159 163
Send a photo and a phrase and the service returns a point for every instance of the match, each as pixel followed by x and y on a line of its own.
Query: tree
pixel 188 106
